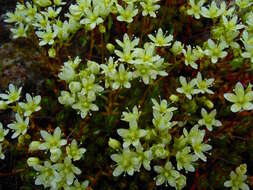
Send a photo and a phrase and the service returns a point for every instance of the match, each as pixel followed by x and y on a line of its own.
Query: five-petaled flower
pixel 241 98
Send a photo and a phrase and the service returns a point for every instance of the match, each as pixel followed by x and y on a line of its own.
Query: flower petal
pixel 248 106
pixel 117 171
pixel 230 97
pixel 236 107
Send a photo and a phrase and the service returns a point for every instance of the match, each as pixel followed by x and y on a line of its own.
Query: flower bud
pixel 110 47
pixel 209 104
pixel 150 134
pixel 3 105
pixel 66 98
pixel 159 151
pixel 174 98
pixel 114 10
pixel 27 136
pixel 34 145
pixel 75 86
pixel 52 52
pixel 242 169
pixel 33 161
pixel 55 154
pixel 113 143
pixel 21 139
pixel 102 28
pixel 182 9
pixel 93 67
pixel 177 48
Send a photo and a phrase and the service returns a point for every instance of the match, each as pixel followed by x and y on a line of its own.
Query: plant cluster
pixel 58 172
pixel 54 28
pixel 23 112
pixel 238 178
pixel 83 86
pixel 229 21
pixel 156 144
pixel 169 148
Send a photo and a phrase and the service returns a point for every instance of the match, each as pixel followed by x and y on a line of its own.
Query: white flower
pixel 131 135
pixel 62 29
pixel 68 72
pixel 68 170
pixel 12 95
pixel 90 88
pixel 127 14
pixel 74 152
pixel 20 126
pixel 203 85
pixel 213 11
pixel 190 57
pixel 231 25
pixel 47 36
pixel 163 107
pixel 32 104
pixel 196 137
pixel 161 39
pixel 238 179
pixel 84 105
pixel 52 141
pixel 195 9
pixel 127 162
pixel 145 157
pixel 150 7
pixel 208 119
pixel 51 12
pixel 66 98
pixel 146 55
pixel 92 18
pixel 122 78
pixel 241 99
pixel 177 48
pixel 128 42
pixel 131 117
pixel 187 88
pixel 242 4
pixel 47 175
pixel 185 159
pixel 166 174
pixel 20 31
pixel 79 186
pixel 59 2
pixel 215 51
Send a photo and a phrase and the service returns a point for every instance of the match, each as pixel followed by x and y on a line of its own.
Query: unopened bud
pixel 75 86
pixel 102 28
pixel 34 145
pixel 33 161
pixel 177 48
pixel 174 98
pixel 209 104
pixel 3 105
pixel 113 143
pixel 52 52
pixel 27 136
pixel 110 47
pixel 21 139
